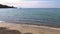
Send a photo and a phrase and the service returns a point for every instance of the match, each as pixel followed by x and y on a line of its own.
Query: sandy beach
pixel 12 28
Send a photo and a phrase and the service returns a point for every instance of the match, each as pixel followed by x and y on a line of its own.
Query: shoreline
pixel 33 25
pixel 26 28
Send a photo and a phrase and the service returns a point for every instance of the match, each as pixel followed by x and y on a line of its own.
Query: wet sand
pixel 12 28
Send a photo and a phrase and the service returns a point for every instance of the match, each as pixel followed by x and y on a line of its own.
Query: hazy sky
pixel 32 3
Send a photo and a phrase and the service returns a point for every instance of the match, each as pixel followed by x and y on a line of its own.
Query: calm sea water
pixel 49 16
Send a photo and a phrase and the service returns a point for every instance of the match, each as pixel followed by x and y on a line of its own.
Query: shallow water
pixel 50 16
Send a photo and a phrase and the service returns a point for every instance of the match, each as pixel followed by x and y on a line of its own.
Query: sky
pixel 32 3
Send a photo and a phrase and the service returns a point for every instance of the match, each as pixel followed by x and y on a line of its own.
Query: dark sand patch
pixel 4 30
pixel 27 33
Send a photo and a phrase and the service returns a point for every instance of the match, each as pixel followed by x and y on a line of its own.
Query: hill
pixel 5 6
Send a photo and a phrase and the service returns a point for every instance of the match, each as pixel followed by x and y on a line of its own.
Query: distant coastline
pixel 6 6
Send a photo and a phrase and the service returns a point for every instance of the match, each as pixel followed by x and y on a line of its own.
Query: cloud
pixel 40 4
pixel 37 4
pixel 10 2
pixel 32 3
pixel 38 0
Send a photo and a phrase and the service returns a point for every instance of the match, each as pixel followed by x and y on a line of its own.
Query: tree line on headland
pixel 5 6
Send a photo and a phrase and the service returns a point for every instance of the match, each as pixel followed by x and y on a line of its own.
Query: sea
pixel 49 16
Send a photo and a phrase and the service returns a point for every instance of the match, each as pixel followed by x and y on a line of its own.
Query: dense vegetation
pixel 5 6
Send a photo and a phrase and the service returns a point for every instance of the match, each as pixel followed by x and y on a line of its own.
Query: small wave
pixel 2 21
